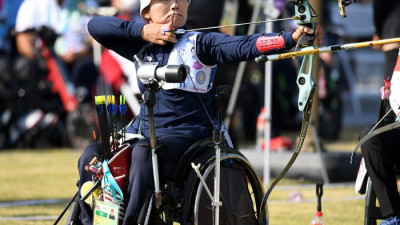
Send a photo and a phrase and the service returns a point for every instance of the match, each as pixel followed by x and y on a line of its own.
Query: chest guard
pixel 200 77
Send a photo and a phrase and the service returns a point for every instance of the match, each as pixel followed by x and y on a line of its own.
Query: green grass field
pixel 52 174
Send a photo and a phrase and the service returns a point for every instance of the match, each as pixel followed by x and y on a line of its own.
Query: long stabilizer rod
pixel 332 48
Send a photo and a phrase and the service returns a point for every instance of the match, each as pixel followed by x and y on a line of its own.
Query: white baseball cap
pixel 145 3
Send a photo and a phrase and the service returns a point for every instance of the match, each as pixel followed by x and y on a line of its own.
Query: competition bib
pixel 200 77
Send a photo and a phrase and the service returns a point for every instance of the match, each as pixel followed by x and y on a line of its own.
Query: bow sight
pixel 342 6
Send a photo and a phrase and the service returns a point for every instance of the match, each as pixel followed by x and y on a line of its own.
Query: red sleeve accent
pixel 265 43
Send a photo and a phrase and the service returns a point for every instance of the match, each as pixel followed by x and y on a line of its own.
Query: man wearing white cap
pixel 182 109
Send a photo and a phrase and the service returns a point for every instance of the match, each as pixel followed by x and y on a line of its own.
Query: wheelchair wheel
pixel 241 193
pixel 154 216
pixel 74 213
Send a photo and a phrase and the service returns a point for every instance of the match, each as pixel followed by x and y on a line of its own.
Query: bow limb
pixel 372 134
pixel 302 136
pixel 365 138
pixel 306 86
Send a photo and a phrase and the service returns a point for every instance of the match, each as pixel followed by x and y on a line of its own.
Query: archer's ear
pixel 145 13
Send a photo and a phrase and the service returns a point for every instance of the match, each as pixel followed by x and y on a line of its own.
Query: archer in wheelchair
pixel 161 167
pixel 381 158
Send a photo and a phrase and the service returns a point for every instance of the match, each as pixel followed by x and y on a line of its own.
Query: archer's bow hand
pixel 301 30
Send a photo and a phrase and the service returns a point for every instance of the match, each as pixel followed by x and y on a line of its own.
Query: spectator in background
pixel 8 15
pixel 199 19
pixel 128 8
pixel 8 53
pixel 387 25
pixel 71 44
pixel 115 70
pixel 381 155
pixel 381 152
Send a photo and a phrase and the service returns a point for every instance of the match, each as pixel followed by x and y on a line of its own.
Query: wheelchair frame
pixel 372 211
pixel 149 100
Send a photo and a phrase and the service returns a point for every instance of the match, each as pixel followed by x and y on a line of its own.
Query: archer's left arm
pixel 217 48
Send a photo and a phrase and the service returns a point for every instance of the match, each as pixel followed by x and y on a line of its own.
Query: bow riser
pixel 303 11
pixel 305 81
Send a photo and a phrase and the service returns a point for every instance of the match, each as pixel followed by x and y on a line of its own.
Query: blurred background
pixel 50 70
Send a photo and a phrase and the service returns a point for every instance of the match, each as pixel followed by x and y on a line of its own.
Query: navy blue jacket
pixel 177 111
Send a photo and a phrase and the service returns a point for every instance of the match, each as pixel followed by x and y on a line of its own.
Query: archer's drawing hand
pixel 318 33
pixel 155 33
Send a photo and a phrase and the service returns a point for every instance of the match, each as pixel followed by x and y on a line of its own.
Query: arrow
pixel 332 48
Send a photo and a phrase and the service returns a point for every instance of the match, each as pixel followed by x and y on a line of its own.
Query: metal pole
pixel 268 107
pixel 154 159
pixel 217 180
pixel 240 71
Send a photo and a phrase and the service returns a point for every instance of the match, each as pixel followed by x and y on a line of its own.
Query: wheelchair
pixel 372 211
pixel 186 199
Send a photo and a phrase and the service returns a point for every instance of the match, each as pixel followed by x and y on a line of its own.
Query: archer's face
pixel 169 12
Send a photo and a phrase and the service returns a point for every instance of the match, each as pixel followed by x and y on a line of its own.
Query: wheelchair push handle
pixel 224 90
